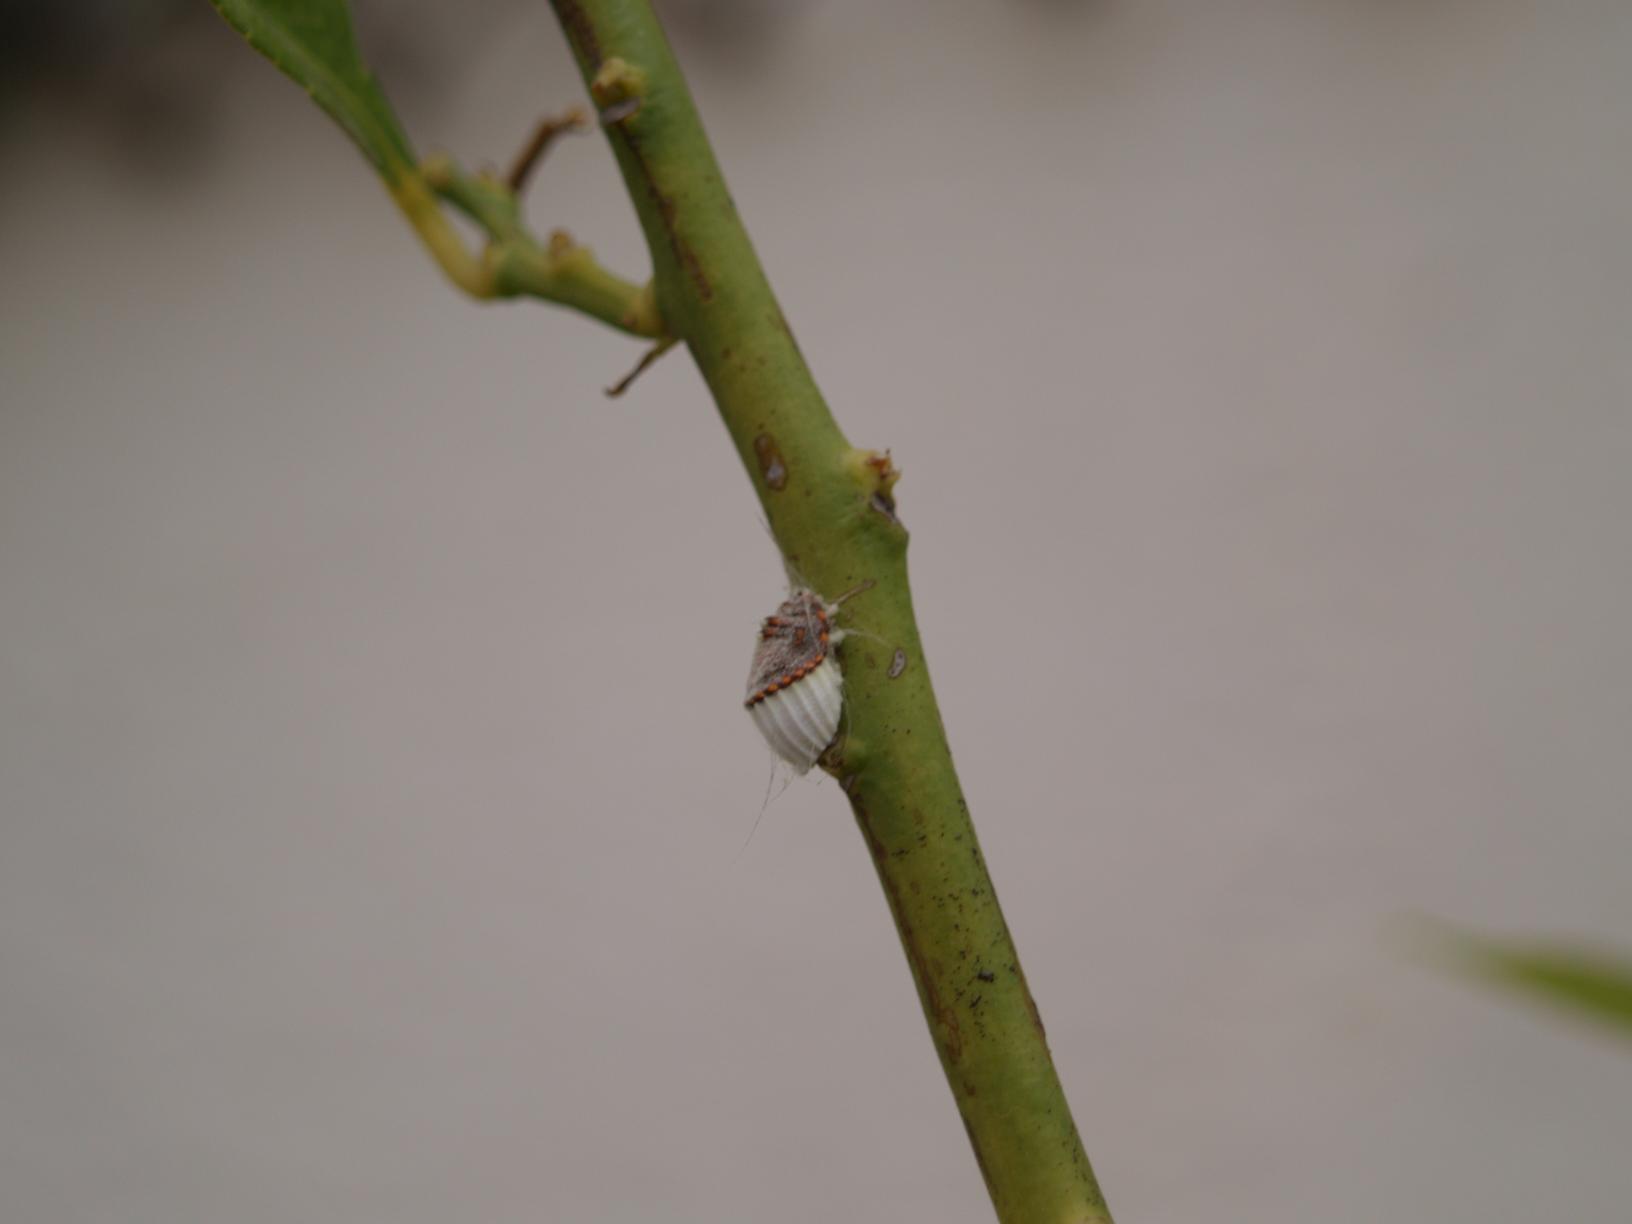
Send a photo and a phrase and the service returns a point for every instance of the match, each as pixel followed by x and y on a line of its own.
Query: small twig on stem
pixel 573 120
pixel 652 354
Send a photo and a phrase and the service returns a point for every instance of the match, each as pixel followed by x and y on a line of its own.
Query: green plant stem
pixel 514 263
pixel 312 41
pixel 830 507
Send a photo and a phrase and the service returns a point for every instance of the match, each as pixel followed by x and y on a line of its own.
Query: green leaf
pixel 1591 983
pixel 313 42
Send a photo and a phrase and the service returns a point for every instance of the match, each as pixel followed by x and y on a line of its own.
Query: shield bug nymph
pixel 795 689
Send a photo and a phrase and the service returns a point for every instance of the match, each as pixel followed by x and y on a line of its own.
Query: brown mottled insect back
pixel 795 689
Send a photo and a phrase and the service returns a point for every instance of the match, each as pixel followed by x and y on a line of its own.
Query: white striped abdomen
pixel 800 719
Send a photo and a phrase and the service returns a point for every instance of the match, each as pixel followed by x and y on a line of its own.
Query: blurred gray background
pixel 1260 377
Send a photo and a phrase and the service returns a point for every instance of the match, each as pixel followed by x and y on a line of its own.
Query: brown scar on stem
pixel 876 473
pixel 884 471
pixel 580 29
pixel 619 90
pixel 771 465
pixel 668 212
pixel 617 85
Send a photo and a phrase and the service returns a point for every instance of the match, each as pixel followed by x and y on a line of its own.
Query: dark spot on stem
pixel 897 664
pixel 580 30
pixel 667 211
pixel 771 466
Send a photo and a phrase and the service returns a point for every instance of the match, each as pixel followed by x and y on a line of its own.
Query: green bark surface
pixel 831 510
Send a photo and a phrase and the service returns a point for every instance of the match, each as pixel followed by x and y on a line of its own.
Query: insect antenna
pixel 860 588
pixel 764 806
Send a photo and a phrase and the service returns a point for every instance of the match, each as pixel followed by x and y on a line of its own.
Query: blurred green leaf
pixel 1589 982
pixel 313 42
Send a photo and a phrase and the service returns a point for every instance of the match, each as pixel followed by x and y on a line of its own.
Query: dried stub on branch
pixel 795 690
